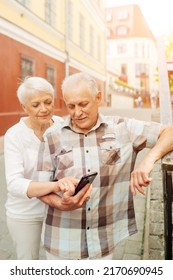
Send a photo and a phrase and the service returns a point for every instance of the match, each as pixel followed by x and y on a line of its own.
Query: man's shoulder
pixel 113 119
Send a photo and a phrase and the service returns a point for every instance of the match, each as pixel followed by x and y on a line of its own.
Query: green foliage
pixel 169 47
pixel 169 56
pixel 171 83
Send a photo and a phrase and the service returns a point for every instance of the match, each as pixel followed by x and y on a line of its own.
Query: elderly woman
pixel 24 211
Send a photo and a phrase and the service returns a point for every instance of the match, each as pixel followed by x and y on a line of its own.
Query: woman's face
pixel 40 107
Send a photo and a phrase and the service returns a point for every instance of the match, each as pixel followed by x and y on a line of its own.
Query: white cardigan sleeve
pixel 17 185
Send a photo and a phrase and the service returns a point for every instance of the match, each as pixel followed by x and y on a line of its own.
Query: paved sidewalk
pixel 1 145
pixel 132 248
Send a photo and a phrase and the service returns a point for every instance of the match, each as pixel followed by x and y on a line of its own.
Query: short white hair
pixel 33 85
pixel 76 79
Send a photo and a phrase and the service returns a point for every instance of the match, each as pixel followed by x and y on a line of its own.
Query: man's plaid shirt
pixel 110 148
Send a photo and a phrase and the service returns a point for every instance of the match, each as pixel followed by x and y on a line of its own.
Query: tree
pixel 169 47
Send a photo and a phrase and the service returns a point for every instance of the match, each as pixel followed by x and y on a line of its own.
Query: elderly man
pixel 90 142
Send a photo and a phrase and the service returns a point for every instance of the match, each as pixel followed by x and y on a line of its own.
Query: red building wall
pixel 10 72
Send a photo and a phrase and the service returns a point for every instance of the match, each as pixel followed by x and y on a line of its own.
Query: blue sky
pixel 157 13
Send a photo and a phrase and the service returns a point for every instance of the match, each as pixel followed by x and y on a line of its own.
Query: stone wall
pixel 156 216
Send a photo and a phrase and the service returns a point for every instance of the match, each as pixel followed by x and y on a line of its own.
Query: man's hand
pixel 68 202
pixel 140 177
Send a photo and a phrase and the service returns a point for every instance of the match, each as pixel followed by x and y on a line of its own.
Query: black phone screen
pixel 86 179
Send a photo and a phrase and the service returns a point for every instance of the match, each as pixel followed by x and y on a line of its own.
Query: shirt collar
pixel 100 121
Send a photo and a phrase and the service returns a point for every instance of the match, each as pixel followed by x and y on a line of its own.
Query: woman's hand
pixel 68 202
pixel 66 184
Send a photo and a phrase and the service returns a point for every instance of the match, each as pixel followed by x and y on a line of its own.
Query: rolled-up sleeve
pixel 142 132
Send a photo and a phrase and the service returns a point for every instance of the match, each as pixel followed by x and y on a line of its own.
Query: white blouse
pixel 21 154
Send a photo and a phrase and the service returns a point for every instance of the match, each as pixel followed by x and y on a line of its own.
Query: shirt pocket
pixel 64 158
pixel 110 152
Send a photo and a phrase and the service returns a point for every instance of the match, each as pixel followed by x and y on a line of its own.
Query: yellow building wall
pixel 90 20
pixel 90 62
pixel 38 8
pixel 33 21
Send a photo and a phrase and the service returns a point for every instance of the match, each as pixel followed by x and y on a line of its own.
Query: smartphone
pixel 86 179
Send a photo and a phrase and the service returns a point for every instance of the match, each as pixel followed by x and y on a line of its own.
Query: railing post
pixel 167 165
pixel 164 90
pixel 167 170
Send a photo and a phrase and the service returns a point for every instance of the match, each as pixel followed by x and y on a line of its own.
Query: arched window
pixel 122 31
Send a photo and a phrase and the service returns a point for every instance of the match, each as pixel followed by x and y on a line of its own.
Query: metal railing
pixel 167 164
pixel 167 169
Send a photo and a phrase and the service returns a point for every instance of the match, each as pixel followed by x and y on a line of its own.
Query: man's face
pixel 82 107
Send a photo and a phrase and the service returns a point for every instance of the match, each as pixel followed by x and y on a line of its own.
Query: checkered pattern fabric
pixel 110 148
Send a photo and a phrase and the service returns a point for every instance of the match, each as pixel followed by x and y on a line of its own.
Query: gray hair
pixel 33 85
pixel 76 79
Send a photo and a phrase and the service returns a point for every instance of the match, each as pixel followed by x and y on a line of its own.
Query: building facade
pixel 51 39
pixel 131 47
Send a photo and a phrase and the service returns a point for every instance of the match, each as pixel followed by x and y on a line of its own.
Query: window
pixel 108 32
pixel 109 17
pixel 70 20
pixel 122 31
pixel 99 3
pixel 98 48
pixel 123 15
pixel 51 75
pixel 50 12
pixel 27 67
pixel 141 69
pixel 143 50
pixel 91 47
pixel 136 50
pixel 108 50
pixel 124 69
pixel 82 31
pixel 24 2
pixel 123 76
pixel 121 48
pixel 148 51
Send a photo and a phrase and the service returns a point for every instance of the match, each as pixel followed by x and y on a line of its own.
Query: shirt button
pixel 89 170
pixel 89 209
pixel 87 151
pixel 88 228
